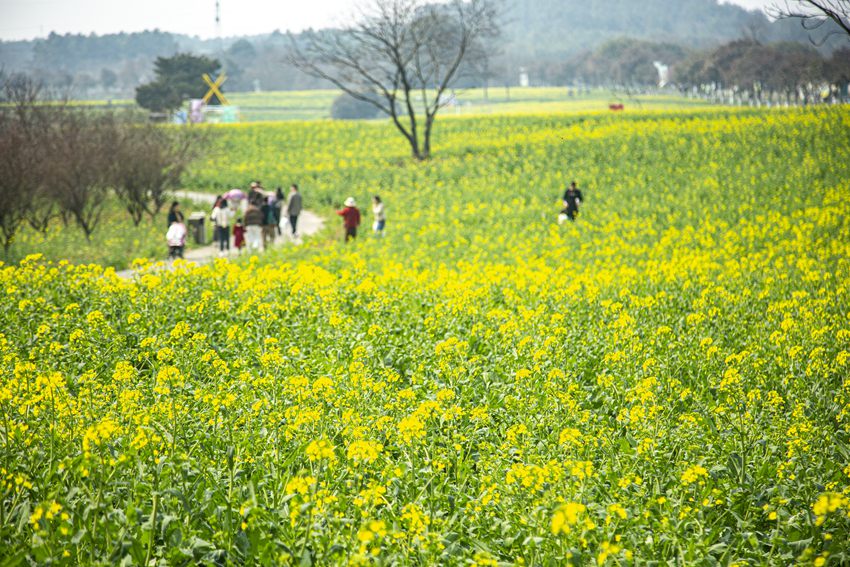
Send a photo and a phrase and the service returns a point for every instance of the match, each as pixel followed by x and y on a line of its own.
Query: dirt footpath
pixel 309 224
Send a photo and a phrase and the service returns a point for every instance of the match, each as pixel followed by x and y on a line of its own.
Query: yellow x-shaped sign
pixel 214 88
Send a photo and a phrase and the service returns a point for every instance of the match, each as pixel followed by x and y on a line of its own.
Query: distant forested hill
pixel 542 36
pixel 565 27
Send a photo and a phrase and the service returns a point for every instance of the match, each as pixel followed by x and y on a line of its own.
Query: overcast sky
pixel 26 19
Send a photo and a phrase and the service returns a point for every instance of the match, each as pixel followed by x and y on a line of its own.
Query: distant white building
pixel 523 77
pixel 663 73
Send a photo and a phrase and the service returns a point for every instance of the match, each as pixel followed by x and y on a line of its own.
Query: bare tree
pixel 814 14
pixel 19 153
pixel 56 160
pixel 82 167
pixel 402 56
pixel 14 165
pixel 151 162
pixel 42 205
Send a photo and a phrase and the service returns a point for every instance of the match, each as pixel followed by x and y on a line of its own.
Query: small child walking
pixel 176 238
pixel 239 235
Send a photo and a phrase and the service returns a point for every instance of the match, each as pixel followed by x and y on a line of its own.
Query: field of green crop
pixel 274 106
pixel 666 380
pixel 316 105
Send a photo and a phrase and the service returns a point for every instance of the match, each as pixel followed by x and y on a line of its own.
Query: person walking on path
pixel 255 195
pixel 221 216
pixel 350 218
pixel 293 208
pixel 176 238
pixel 174 213
pixel 572 199
pixel 269 223
pixel 278 208
pixel 253 227
pixel 380 216
pixel 239 235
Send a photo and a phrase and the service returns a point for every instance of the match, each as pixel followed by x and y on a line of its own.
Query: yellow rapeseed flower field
pixel 666 379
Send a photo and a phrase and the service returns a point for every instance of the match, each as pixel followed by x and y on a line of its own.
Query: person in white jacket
pixel 380 216
pixel 176 238
pixel 221 216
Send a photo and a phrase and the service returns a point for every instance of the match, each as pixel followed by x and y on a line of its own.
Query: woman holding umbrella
pixel 236 197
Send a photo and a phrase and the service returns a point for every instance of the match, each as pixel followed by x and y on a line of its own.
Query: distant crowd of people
pixel 265 215
pixel 262 217
pixel 253 220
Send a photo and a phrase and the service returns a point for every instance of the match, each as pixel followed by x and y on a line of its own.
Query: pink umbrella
pixel 234 195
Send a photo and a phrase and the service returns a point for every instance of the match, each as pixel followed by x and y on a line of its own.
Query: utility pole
pixel 219 39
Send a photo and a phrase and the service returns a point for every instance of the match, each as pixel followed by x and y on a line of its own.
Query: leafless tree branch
pixel 401 56
pixel 814 14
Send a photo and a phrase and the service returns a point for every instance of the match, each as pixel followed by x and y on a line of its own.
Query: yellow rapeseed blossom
pixel 694 474
pixel 365 451
pixel 828 503
pixel 566 517
pixel 320 449
pixel 411 428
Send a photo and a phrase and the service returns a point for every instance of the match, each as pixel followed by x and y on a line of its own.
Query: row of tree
pixel 775 66
pixel 65 162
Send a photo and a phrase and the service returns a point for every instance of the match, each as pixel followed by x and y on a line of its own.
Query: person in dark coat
pixel 255 195
pixel 253 227
pixel 174 213
pixel 269 222
pixel 278 205
pixel 293 207
pixel 572 200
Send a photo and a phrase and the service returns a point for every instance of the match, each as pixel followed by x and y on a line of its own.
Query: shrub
pixel 346 107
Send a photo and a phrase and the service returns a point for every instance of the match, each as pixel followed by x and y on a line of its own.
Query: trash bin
pixel 198 228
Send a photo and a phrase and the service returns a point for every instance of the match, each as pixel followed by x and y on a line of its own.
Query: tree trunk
pixel 87 231
pixel 136 213
pixel 414 140
pixel 411 115
pixel 84 225
pixel 7 243
pixel 429 124
pixel 411 139
pixel 416 153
